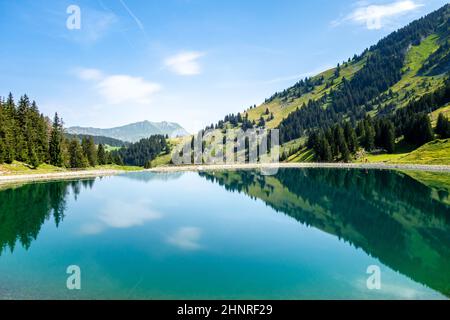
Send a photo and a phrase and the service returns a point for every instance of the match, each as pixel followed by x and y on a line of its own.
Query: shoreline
pixel 304 165
pixel 17 178
pixel 66 175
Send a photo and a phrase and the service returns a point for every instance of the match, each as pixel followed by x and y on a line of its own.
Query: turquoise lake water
pixel 300 234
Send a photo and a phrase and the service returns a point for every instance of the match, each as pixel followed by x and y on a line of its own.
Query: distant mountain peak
pixel 134 131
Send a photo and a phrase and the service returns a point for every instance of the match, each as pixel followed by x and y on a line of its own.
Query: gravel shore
pixel 6 179
pixel 371 166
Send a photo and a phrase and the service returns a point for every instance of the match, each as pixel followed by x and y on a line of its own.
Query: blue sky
pixel 186 61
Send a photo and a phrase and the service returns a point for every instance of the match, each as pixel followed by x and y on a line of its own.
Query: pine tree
pixel 339 139
pixel 443 126
pixel 321 147
pixel 101 155
pixel 76 155
pixel 346 156
pixel 21 147
pixel 326 151
pixel 9 115
pixel 388 136
pixel 262 122
pixel 419 131
pixel 350 138
pixel 56 142
pixel 32 119
pixel 368 139
pixel 2 133
pixel 148 165
pixel 38 128
pixel 2 150
pixel 8 130
pixel 89 150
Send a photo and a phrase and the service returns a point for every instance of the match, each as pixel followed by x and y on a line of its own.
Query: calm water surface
pixel 301 234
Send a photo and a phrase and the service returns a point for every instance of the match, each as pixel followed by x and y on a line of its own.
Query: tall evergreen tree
pixel 77 157
pixel 350 137
pixel 388 136
pixel 101 155
pixel 21 127
pixel 339 138
pixel 8 129
pixel 56 142
pixel 2 133
pixel 90 151
pixel 419 131
pixel 443 126
pixel 368 138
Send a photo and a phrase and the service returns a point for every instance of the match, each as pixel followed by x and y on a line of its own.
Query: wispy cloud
pixel 119 214
pixel 186 238
pixel 117 89
pixel 185 63
pixel 375 17
pixel 132 15
pixel 94 26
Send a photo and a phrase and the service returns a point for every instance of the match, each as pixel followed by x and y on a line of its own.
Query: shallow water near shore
pixel 300 234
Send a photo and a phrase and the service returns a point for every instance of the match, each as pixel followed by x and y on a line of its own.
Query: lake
pixel 300 234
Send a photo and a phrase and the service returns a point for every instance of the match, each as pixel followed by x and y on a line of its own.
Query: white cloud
pixel 186 238
pixel 117 89
pixel 120 214
pixel 122 88
pixel 375 17
pixel 95 25
pixel 185 63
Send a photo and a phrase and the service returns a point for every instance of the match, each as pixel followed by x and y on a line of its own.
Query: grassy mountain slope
pixel 282 106
pixel 410 63
pixel 424 46
pixel 414 82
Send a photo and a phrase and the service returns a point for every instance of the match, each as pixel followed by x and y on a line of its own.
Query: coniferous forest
pixel 353 115
pixel 27 136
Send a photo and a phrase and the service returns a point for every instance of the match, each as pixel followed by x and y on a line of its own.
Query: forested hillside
pixel 375 101
pixel 31 139
pixel 98 140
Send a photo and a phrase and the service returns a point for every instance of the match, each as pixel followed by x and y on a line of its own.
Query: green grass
pixel 115 167
pixel 303 155
pixel 402 149
pixel 19 168
pixel 436 152
pixel 22 168
pixel 380 158
pixel 412 84
pixel 411 81
pixel 282 109
pixel 444 110
pixel 109 148
pixel 164 159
